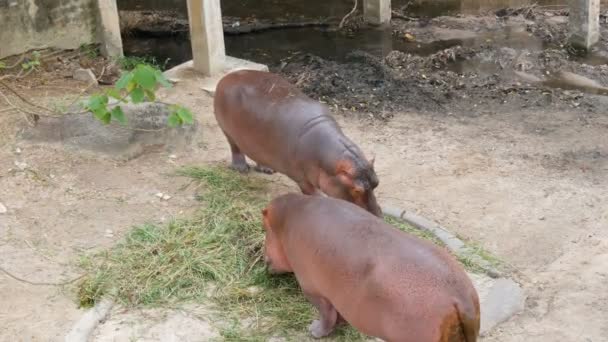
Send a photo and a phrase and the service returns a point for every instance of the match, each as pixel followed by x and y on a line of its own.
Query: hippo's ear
pixel 344 173
pixel 265 212
pixel 344 167
pixel 373 160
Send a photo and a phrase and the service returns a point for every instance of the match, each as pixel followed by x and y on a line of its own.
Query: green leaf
pixel 97 102
pixel 174 120
pixel 106 118
pixel 100 113
pixel 150 95
pixel 114 93
pixel 124 81
pixel 138 95
pixel 185 115
pixel 145 76
pixel 119 115
pixel 160 78
pixel 2 65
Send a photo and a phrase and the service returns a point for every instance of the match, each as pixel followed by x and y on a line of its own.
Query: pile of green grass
pixel 215 258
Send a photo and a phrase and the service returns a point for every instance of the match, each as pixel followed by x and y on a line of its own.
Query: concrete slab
pixel 208 84
pixel 504 299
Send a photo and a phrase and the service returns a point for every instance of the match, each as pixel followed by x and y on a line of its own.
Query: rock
pixel 569 80
pixel 20 165
pixel 527 77
pixel 85 75
pixel 3 209
pixel 146 131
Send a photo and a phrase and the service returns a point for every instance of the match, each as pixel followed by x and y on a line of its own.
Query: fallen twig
pixel 348 15
pixel 258 27
pixel 26 113
pixel 22 98
pixel 39 283
pixel 396 15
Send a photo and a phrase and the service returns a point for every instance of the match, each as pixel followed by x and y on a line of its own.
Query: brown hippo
pixel 269 120
pixel 354 267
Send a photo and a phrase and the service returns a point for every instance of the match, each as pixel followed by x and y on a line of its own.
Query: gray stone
pixel 85 75
pixel 145 131
pixel 505 299
pixel 392 211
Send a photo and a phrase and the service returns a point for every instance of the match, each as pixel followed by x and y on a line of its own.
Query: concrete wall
pixel 29 24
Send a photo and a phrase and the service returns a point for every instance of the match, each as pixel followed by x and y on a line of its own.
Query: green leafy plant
pixel 136 86
pixel 2 65
pixel 131 62
pixel 32 63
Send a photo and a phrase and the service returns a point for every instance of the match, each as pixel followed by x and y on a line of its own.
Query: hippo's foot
pixel 263 169
pixel 318 330
pixel 240 167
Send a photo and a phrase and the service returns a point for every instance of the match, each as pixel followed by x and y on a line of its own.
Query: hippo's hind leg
pixel 239 163
pixel 329 317
pixel 263 169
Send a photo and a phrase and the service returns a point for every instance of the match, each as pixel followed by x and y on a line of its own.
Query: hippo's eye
pixel 358 191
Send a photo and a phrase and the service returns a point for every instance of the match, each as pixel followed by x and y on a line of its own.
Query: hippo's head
pixel 274 256
pixel 354 181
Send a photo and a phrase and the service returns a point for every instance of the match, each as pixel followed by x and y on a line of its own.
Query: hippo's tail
pixel 469 321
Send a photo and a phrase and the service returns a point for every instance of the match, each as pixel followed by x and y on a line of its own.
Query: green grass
pixel 216 258
pixel 90 50
pixel 129 63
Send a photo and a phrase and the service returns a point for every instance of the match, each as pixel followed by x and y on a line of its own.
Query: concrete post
pixel 109 28
pixel 377 12
pixel 207 36
pixel 584 23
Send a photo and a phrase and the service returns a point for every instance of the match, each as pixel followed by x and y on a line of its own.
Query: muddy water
pixel 270 9
pixel 270 47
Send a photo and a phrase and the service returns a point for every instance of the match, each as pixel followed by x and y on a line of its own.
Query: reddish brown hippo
pixel 354 267
pixel 269 120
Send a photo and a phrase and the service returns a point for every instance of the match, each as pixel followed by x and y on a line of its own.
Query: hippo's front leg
pixel 329 317
pixel 309 189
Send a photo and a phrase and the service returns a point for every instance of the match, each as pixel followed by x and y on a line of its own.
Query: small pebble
pixel 166 197
pixel 3 209
pixel 21 166
pixel 159 195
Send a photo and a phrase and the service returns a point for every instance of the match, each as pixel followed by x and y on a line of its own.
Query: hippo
pixel 355 268
pixel 269 120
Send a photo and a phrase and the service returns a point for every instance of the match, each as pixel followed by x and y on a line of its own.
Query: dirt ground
pixel 522 178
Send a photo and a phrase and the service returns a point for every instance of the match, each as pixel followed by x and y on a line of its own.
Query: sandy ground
pixel 530 186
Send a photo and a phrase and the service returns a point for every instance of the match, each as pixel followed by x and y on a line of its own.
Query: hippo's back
pixel 389 271
pixel 264 115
